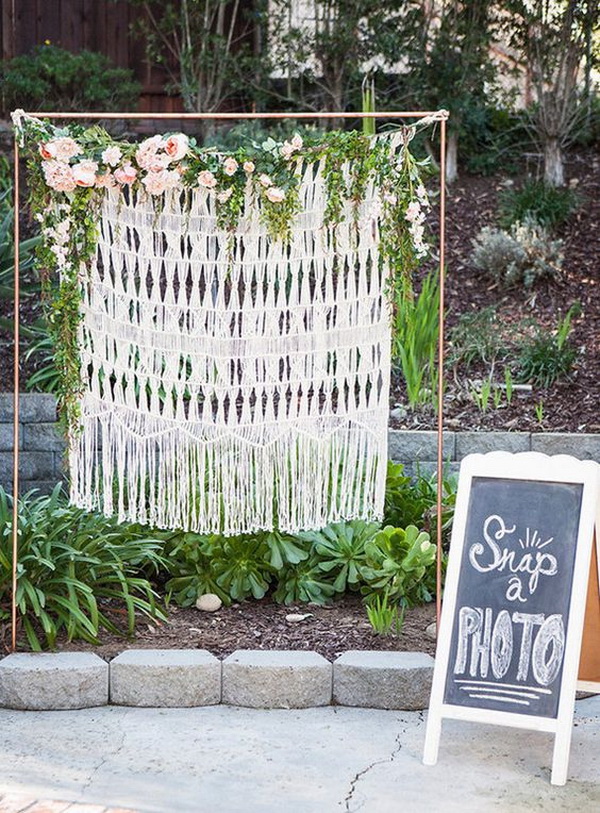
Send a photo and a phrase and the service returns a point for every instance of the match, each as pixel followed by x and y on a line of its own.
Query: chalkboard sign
pixel 514 591
pixel 510 632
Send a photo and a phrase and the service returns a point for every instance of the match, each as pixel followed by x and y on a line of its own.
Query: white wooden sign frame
pixel 526 466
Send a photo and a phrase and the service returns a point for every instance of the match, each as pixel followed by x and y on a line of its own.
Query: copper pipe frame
pixel 229 117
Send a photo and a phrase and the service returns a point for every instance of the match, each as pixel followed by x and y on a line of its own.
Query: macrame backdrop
pixel 234 382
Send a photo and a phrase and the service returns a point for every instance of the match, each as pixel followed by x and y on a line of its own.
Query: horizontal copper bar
pixel 234 116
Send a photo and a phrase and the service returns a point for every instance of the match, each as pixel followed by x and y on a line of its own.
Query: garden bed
pixel 328 630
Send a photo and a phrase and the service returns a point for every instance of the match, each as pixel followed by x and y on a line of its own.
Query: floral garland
pixel 71 167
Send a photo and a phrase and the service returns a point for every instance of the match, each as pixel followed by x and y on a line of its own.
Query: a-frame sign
pixel 519 583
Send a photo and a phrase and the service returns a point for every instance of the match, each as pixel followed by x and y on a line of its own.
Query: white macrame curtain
pixel 234 382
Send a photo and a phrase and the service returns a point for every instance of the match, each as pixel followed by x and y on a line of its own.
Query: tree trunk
pixel 452 156
pixel 554 172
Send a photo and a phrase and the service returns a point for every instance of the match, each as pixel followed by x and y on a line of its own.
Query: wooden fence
pixel 93 25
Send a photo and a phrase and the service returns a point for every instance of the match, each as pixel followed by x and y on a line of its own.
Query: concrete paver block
pixel 484 442
pixel 53 680
pixel 419 445
pixel 583 446
pixel 383 680
pixel 165 678
pixel 276 679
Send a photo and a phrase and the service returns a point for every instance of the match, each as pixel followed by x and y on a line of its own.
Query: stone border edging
pixel 176 678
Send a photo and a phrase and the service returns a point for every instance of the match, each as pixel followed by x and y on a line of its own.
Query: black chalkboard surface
pixel 514 591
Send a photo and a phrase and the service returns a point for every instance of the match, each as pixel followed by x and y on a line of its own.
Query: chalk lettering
pixel 502 644
pixel 528 620
pixel 490 557
pixel 483 643
pixel 550 637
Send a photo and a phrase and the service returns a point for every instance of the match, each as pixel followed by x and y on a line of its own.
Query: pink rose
pixel 126 174
pixel 147 151
pixel 84 173
pixel 296 141
pixel 157 182
pixel 230 166
pixel 249 167
pixel 207 179
pixel 275 194
pixel 58 176
pixel 176 146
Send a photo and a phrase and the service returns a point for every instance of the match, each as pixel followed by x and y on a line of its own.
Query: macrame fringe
pixel 133 467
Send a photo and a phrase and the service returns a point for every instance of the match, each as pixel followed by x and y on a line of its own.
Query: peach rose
pixel 230 166
pixel 176 146
pixel 207 179
pixel 157 182
pixel 265 180
pixel 58 175
pixel 249 167
pixel 224 196
pixel 126 174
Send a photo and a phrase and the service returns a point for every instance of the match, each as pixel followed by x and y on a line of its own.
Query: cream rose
pixel 249 167
pixel 84 173
pixel 61 149
pixel 230 166
pixel 224 196
pixel 265 180
pixel 275 194
pixel 112 156
pixel 147 151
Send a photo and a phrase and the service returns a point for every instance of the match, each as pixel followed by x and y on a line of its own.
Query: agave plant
pixel 341 550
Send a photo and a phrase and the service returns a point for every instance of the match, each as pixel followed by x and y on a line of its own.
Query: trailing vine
pixel 70 169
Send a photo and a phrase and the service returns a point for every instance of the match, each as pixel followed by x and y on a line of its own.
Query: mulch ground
pixel 330 630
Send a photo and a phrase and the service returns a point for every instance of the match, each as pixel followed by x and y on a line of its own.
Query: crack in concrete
pixel 355 780
pixel 102 762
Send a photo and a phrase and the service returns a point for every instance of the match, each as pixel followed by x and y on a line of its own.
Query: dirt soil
pixel 569 405
pixel 328 630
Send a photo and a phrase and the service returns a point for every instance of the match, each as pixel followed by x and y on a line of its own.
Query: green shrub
pixel 550 206
pixel 73 568
pixel 397 563
pixel 413 501
pixel 548 356
pixel 50 78
pixel 477 337
pixel 522 256
pixel 7 254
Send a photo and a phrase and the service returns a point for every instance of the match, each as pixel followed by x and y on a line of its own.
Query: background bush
pixel 521 256
pixel 50 78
